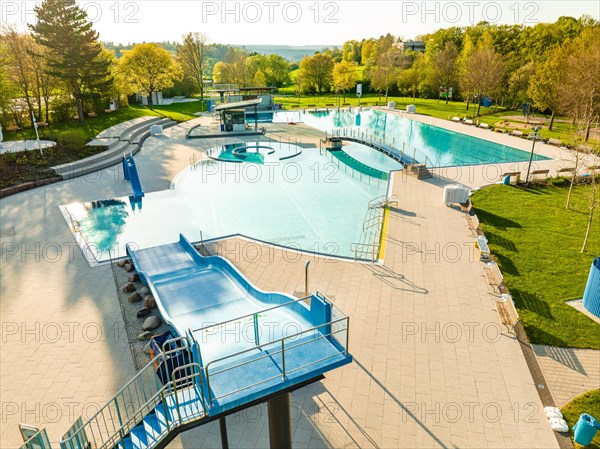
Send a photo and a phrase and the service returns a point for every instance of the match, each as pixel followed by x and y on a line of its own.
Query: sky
pixel 298 23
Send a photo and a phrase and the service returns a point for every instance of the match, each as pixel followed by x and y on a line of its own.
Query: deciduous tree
pixel 191 55
pixel 345 76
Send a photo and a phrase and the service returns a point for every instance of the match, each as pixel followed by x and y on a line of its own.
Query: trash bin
pixel 585 429
pixel 506 180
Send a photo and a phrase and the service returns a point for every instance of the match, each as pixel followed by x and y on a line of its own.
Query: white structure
pixel 454 194
pixel 1 136
pixel 156 130
pixel 157 98
pixel 392 105
pixel 411 109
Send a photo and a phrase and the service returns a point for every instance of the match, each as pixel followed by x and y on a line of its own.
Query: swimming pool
pixel 436 146
pixel 307 203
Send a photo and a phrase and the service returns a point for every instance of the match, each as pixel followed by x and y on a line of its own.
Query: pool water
pixel 306 202
pixel 430 144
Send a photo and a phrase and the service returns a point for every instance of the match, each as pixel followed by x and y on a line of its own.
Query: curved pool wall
pixel 442 147
pixel 591 295
pixel 305 203
pixel 259 152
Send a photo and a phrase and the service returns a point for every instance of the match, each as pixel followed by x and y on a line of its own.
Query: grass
pixel 586 403
pixel 537 245
pixel 71 138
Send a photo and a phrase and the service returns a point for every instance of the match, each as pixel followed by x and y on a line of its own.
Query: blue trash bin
pixel 506 181
pixel 585 429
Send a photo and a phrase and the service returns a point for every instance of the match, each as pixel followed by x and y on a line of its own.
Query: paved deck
pixel 431 369
pixel 568 372
pixel 14 146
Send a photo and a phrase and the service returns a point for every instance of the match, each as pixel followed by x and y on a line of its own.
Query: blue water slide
pixel 131 174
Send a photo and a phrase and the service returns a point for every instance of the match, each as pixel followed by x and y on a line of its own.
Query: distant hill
pixel 291 53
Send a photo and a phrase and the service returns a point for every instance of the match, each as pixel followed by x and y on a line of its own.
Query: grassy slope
pixel 537 243
pixel 586 403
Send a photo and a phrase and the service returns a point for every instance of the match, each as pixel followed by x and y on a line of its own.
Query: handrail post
pixel 306 277
pixel 283 358
pixel 256 333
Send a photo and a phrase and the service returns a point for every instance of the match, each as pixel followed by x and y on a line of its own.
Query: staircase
pixel 420 171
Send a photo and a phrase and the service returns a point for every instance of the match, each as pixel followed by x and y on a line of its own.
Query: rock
pixel 150 302
pixel 121 263
pixel 145 291
pixel 134 297
pixel 128 288
pixel 152 322
pixel 143 312
pixel 144 335
pixel 147 348
pixel 134 277
pixel 128 267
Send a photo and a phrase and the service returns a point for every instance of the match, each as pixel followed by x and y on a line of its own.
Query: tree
pixel 17 47
pixel 386 70
pixel 543 86
pixel 74 52
pixel 443 67
pixel 316 72
pixel 412 77
pixel 591 208
pixel 345 76
pixel 483 72
pixel 191 57
pixel 579 86
pixel 147 69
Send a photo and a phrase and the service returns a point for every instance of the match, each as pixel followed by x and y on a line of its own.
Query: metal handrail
pixel 33 442
pixel 281 351
pixel 251 314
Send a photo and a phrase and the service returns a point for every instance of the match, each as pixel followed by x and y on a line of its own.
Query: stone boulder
pixel 128 288
pixel 134 297
pixel 143 312
pixel 144 335
pixel 152 322
pixel 150 302
pixel 134 277
pixel 145 291
pixel 129 267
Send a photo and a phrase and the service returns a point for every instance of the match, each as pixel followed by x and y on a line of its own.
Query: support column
pixel 280 424
pixel 223 428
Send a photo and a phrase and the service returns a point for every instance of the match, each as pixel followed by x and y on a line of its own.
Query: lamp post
pixel 18 111
pixel 536 130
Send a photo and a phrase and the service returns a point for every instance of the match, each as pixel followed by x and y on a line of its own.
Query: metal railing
pixel 38 440
pixel 284 370
pixel 368 246
pixel 142 394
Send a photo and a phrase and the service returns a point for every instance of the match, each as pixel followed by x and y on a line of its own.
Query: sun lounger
pixel 516 133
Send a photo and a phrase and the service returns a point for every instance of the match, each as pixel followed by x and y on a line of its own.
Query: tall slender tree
pixel 191 55
pixel 74 53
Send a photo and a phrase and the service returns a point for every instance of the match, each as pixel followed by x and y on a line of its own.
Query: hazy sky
pixel 298 22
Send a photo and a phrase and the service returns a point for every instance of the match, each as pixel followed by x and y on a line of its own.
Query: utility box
pixel 392 105
pixel 454 194
pixel 411 109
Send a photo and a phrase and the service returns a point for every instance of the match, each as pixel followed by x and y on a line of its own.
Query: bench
pixel 543 173
pixel 554 142
pixel 565 170
pixel 311 105
pixel 482 244
pixel 466 207
pixel 500 130
pixel 473 223
pixel 345 104
pixel 507 311
pixel 92 114
pixel 295 106
pixel 512 174
pixel 516 133
pixel 494 277
pixel 329 105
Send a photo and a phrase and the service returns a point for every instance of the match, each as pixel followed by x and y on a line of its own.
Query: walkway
pixel 14 146
pixel 431 369
pixel 568 372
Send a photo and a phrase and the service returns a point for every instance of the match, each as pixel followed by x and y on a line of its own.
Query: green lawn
pixel 586 403
pixel 537 245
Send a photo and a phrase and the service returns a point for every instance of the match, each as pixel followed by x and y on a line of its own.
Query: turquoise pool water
pixel 441 147
pixel 306 202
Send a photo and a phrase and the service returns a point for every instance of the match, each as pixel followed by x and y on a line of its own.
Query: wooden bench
pixel 311 105
pixel 554 142
pixel 565 170
pixel 543 173
pixel 507 311
pixel 92 114
pixel 516 133
pixel 473 223
pixel 295 106
pixel 494 277
pixel 345 104
pixel 512 174
pixel 482 244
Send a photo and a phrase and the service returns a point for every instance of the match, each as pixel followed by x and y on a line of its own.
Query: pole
pixel 37 134
pixel 535 130
pixel 306 278
pixel 223 428
pixel 280 425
